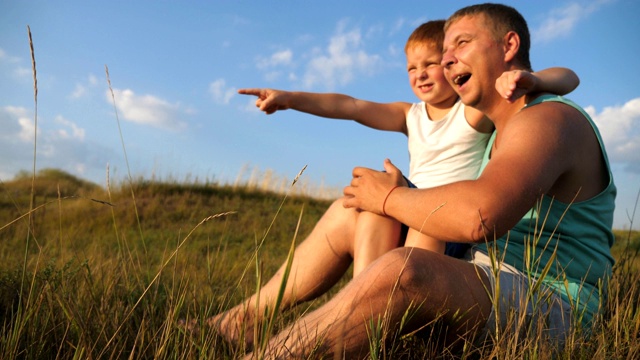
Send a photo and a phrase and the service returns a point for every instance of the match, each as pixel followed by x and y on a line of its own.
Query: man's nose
pixel 447 58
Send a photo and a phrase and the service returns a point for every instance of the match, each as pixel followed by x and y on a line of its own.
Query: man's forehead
pixel 466 24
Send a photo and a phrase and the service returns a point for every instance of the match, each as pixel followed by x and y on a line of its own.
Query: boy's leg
pixel 420 240
pixel 318 263
pixel 374 236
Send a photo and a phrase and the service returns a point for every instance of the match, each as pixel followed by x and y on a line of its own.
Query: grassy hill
pixel 94 272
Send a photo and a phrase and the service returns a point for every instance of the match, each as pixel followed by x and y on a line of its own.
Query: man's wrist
pixel 384 203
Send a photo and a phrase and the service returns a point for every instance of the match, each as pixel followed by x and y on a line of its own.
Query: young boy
pixel 446 139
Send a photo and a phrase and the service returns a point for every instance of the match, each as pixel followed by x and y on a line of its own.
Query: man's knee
pixel 408 265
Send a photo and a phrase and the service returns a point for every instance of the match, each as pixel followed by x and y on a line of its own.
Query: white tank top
pixel 443 151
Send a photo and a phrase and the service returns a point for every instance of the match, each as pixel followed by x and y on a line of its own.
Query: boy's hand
pixel 513 84
pixel 269 100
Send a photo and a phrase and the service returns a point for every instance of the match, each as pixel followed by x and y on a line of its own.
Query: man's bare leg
pixel 374 236
pixel 445 288
pixel 318 263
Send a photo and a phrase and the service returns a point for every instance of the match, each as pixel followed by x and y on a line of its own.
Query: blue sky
pixel 175 67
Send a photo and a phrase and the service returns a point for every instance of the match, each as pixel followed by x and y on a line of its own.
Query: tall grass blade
pixel 126 159
pixel 283 286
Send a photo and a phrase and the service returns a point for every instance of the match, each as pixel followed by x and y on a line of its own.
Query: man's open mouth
pixel 461 79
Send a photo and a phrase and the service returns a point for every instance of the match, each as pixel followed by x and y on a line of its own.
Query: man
pixel 546 192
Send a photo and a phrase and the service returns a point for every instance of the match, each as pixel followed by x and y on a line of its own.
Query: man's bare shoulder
pixel 550 118
pixel 557 142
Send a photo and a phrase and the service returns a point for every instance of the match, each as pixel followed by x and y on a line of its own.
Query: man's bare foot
pixel 190 327
pixel 235 325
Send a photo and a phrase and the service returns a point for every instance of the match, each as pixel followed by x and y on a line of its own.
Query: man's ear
pixel 511 43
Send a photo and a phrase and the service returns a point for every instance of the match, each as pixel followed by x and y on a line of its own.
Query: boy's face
pixel 426 75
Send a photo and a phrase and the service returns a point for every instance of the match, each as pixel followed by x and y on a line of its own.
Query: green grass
pixel 89 289
pixel 89 278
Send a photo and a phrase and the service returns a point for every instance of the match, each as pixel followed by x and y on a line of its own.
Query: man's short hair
pixel 503 19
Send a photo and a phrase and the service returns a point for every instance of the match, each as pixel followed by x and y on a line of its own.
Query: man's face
pixel 426 75
pixel 471 57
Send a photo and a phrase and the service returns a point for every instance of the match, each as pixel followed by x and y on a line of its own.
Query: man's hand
pixel 369 188
pixel 269 100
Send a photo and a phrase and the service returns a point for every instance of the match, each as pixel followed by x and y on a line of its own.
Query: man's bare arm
pixel 533 156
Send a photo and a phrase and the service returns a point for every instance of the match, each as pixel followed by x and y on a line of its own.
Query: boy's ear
pixel 511 45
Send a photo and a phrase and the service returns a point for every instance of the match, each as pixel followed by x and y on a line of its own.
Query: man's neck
pixel 501 111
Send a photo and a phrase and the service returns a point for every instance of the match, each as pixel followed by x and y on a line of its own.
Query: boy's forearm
pixel 329 105
pixel 387 116
pixel 556 80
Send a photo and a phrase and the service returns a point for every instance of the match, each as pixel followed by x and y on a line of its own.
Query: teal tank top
pixel 580 268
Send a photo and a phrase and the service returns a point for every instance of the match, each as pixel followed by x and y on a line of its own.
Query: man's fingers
pixel 349 200
pixel 358 171
pixel 388 166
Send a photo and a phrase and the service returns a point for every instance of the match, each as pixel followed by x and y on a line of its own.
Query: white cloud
pixel 272 76
pixel 22 72
pixel 75 132
pixel 221 94
pixel 561 21
pixel 620 129
pixel 280 58
pixel 8 58
pixel 147 109
pixel 59 144
pixel 17 124
pixel 82 89
pixel 250 106
pixel 398 26
pixel 340 61
pixel 27 129
pixel 337 64
pixel 273 65
pixel 15 65
pixel 79 91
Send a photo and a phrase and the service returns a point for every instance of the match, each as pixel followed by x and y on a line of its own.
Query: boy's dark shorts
pixel 456 250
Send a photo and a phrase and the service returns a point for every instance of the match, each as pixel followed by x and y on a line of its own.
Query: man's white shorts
pixel 523 307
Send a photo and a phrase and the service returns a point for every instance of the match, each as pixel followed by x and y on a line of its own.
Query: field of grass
pixel 106 274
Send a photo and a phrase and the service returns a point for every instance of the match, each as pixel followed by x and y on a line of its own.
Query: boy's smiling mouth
pixel 425 87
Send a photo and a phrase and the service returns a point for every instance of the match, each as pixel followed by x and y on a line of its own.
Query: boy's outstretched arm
pixel 557 80
pixel 381 116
